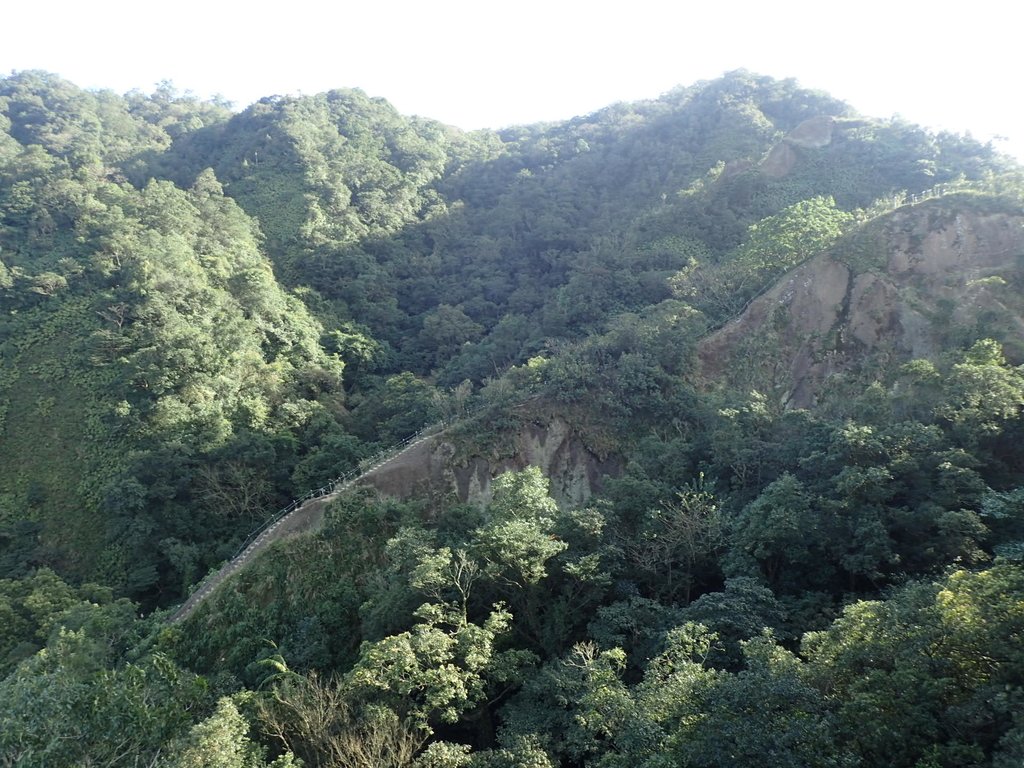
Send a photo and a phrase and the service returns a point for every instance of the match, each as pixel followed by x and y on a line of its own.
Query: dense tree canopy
pixel 205 313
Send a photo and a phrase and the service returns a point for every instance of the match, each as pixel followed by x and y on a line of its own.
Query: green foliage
pixel 518 537
pixel 683 535
pixel 740 612
pixel 982 392
pixel 779 242
pixel 776 530
pixel 32 608
pixel 222 741
pixel 771 247
pixel 161 392
pixel 939 659
pixel 396 409
pixel 310 614
pixel 436 671
pixel 146 320
pixel 788 726
pixel 80 700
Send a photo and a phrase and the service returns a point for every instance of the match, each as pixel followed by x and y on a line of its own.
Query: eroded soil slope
pixel 906 286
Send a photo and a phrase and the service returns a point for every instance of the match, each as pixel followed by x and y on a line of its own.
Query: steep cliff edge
pixel 906 285
pixel 432 468
pixel 427 467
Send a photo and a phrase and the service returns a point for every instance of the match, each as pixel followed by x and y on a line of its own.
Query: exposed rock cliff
pixel 431 468
pixel 906 286
pixel 813 133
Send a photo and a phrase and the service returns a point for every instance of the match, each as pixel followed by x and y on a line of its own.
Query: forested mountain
pixel 782 339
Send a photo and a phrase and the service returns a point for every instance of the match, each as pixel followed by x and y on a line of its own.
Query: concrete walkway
pixel 304 518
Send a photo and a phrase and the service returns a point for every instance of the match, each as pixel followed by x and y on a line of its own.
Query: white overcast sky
pixel 478 64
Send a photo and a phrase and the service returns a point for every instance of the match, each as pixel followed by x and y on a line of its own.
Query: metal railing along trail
pixel 266 532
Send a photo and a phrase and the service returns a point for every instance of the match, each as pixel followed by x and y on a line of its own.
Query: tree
pixel 438 670
pixel 743 611
pixel 781 537
pixel 71 704
pixel 518 537
pixel 982 393
pixel 320 720
pixel 683 535
pixel 445 330
pixel 932 673
pixel 222 741
pixel 766 714
pixel 574 705
pixel 771 247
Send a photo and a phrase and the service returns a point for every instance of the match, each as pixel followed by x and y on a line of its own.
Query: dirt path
pixel 304 518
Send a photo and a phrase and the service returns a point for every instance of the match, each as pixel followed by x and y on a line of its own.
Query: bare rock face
pixel 813 133
pixel 430 468
pixel 419 470
pixel 921 274
pixel 779 161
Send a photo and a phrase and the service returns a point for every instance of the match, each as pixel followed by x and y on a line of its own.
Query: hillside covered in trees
pixel 782 340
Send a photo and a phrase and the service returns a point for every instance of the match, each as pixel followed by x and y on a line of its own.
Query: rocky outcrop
pixel 430 469
pixel 896 292
pixel 813 133
pixel 426 467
